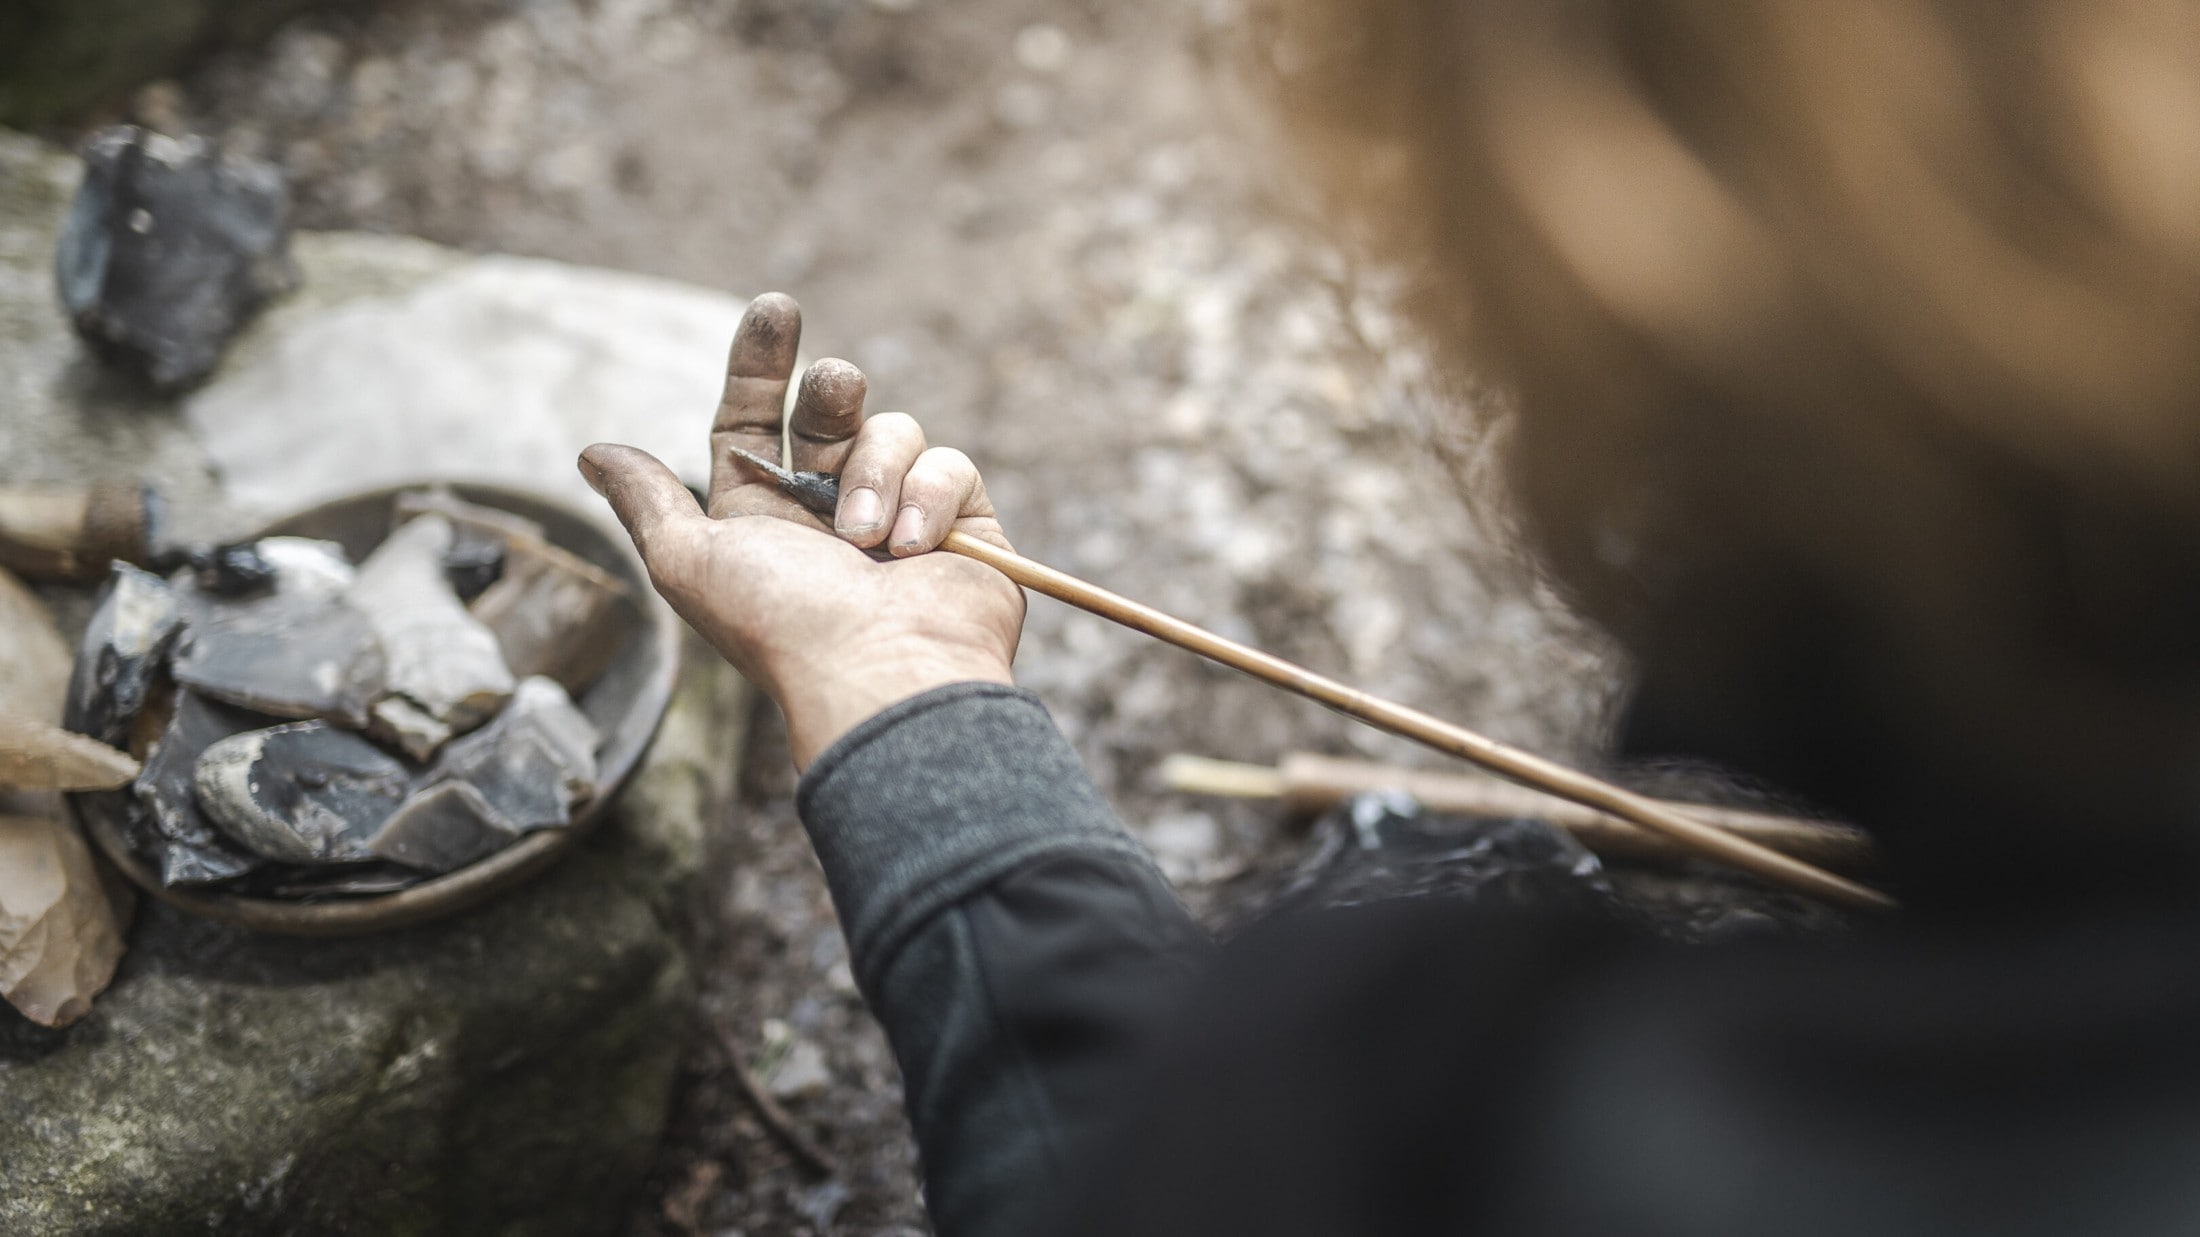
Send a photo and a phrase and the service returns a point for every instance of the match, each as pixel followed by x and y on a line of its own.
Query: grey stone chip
pixel 124 650
pixel 190 850
pixel 302 793
pixel 290 655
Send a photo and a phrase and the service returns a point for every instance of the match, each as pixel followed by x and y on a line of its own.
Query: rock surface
pixel 504 1072
pixel 287 655
pixel 491 369
pixel 68 419
pixel 121 653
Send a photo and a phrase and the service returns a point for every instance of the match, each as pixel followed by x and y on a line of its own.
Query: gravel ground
pixel 1049 229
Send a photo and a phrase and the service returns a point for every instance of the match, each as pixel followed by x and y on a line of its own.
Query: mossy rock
pixel 62 58
pixel 505 1072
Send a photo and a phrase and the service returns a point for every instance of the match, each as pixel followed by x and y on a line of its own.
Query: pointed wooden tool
pixel 819 492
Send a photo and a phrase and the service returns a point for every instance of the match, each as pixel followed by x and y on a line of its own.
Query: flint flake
pixel 442 829
pixel 441 662
pixel 169 247
pixel 288 655
pixel 124 650
pixel 302 793
pixel 191 850
pixel 534 764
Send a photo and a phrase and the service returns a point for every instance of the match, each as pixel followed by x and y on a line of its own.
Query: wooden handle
pixel 1413 724
pixel 73 532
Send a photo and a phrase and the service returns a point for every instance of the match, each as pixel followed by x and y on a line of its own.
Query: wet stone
pixel 168 249
pixel 302 793
pixel 287 655
pixel 183 842
pixel 124 650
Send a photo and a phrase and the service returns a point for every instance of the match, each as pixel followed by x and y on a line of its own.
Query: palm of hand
pixel 833 634
pixel 794 607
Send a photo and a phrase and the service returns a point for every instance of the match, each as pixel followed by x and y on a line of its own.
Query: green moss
pixel 59 59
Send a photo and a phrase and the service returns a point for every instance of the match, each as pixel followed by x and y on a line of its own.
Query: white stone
pixel 1042 47
pixel 491 368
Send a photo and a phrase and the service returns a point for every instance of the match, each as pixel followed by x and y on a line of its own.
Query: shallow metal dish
pixel 626 705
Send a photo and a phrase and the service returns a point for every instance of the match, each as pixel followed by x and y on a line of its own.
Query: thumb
pixel 648 499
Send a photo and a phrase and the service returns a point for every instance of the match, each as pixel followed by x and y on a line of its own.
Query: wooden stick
pixel 819 492
pixel 776 1120
pixel 1569 784
pixel 1307 784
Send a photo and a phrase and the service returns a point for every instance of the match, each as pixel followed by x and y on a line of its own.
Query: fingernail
pixel 861 509
pixel 908 529
pixel 590 473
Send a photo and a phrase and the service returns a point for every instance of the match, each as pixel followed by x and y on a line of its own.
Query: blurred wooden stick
pixel 1308 784
pixel 1571 784
pixel 776 1119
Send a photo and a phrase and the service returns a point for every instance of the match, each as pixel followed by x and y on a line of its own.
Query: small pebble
pixel 801 1073
pixel 1042 47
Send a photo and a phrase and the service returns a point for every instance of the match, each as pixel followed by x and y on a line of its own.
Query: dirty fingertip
pixel 861 510
pixel 592 467
pixel 908 535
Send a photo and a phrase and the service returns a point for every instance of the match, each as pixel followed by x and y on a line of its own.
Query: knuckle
pixel 953 459
pixel 927 478
pixel 945 465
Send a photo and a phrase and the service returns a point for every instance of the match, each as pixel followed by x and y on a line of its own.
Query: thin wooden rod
pixel 1422 728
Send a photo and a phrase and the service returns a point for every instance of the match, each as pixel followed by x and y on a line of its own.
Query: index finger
pixel 758 368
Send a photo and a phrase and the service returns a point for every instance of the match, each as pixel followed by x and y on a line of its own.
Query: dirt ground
pixel 1049 230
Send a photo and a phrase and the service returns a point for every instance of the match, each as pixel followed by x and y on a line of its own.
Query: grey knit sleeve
pixel 939 796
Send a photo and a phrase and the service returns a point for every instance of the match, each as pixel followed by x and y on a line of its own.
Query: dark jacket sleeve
pixel 1017 943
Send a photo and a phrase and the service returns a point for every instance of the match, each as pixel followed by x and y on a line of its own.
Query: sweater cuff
pixel 938 796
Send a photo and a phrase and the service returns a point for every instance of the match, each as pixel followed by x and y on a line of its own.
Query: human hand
pixel 797 606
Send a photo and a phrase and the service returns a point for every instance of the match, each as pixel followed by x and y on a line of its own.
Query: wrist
pixel 824 704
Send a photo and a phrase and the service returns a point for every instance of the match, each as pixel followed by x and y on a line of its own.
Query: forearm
pixel 1015 941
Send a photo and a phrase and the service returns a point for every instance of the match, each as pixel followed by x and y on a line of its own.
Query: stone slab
pixel 488 368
